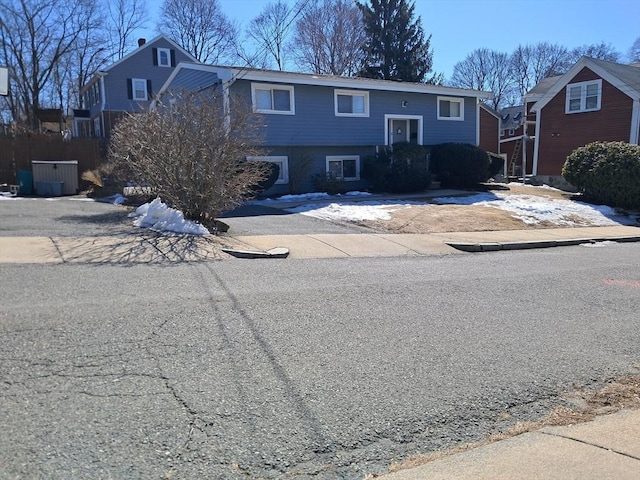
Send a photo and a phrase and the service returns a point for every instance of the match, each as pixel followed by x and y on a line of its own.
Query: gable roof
pixel 625 78
pixel 542 87
pixel 490 110
pixel 147 45
pixel 232 74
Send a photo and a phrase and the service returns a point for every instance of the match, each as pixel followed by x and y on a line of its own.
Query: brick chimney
pixel 141 41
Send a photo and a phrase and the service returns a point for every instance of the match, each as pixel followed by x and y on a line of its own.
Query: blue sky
pixel 460 26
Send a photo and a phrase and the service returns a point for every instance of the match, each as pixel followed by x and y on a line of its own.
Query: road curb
pixel 475 247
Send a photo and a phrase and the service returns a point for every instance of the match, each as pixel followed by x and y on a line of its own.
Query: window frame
pixel 281 159
pixel 351 93
pixel 583 96
pixel 271 87
pixel 133 89
pixel 459 100
pixel 159 56
pixel 342 158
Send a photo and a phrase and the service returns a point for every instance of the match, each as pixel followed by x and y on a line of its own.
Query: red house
pixel 489 125
pixel 594 101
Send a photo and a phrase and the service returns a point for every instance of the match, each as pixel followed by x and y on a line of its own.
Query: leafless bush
pixel 190 153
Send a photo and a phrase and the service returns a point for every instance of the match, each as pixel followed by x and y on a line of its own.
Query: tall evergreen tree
pixel 395 48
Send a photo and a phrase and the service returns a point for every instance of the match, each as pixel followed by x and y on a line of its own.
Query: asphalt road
pixel 309 368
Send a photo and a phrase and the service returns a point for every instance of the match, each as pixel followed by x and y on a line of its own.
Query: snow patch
pixel 158 217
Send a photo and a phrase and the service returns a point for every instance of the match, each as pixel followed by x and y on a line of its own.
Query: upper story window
pixel 583 96
pixel 450 108
pixel 351 103
pixel 273 99
pixel 164 57
pixel 138 88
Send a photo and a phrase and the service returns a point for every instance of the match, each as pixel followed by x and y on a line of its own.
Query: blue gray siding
pixel 315 122
pixel 139 65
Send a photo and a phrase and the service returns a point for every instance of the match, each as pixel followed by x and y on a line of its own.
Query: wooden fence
pixel 17 153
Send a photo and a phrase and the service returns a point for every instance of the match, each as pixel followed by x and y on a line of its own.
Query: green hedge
pixel 402 169
pixel 459 165
pixel 606 172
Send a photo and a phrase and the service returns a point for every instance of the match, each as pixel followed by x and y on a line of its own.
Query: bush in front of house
pixel 329 183
pixel 272 174
pixel 459 165
pixel 496 164
pixel 191 154
pixel 401 169
pixel 606 172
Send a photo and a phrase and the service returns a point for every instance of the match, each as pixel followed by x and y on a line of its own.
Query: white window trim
pixel 133 89
pixel 452 99
pixel 271 86
pixel 352 93
pixel 168 51
pixel 282 160
pixel 583 96
pixel 335 158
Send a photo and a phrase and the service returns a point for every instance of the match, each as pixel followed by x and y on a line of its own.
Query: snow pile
pixel 351 211
pixel 160 218
pixel 533 209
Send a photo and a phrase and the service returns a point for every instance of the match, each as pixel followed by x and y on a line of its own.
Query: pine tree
pixel 395 48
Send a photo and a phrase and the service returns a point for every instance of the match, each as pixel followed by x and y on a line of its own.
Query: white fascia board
pixel 354 83
pixel 567 77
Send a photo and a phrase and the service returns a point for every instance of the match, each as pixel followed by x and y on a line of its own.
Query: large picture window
pixel 272 99
pixel 583 96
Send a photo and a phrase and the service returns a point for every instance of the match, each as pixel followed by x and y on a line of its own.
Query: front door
pixel 398 131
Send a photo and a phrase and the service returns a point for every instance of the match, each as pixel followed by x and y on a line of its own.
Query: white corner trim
pixel 635 123
pixel 536 144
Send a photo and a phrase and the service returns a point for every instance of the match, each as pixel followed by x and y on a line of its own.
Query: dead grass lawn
pixel 463 218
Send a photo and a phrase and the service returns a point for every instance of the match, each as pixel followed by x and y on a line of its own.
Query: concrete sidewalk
pixel 146 248
pixel 606 448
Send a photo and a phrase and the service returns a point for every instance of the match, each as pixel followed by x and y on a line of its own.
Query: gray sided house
pixel 127 85
pixel 320 124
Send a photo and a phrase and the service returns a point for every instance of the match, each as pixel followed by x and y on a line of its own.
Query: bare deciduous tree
pixel 36 35
pixel 328 38
pixel 269 31
pixel 124 17
pixel 200 27
pixel 485 69
pixel 87 56
pixel 601 51
pixel 531 63
pixel 190 152
pixel 634 52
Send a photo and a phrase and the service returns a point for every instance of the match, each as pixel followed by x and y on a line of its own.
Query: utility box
pixel 52 171
pixel 49 189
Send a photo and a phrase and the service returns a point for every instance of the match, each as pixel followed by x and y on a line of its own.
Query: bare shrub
pixel 190 153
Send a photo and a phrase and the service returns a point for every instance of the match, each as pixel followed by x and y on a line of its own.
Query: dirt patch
pixel 464 218
pixel 620 394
